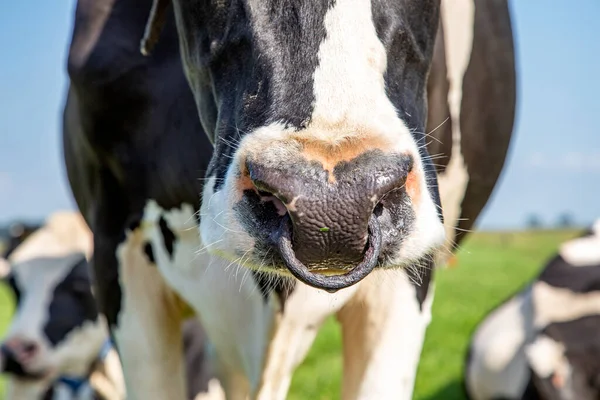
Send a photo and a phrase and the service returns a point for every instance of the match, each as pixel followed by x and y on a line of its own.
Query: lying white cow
pixel 544 342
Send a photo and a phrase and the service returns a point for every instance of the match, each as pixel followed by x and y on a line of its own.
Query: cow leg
pixel 383 328
pixel 236 315
pixel 148 331
pixel 142 312
pixel 303 314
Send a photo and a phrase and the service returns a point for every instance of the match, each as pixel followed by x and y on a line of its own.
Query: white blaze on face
pixel 458 22
pixel 351 101
pixel 584 251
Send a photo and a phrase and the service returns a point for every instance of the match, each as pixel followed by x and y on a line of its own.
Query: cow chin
pixel 239 220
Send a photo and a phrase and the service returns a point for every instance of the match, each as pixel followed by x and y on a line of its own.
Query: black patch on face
pixel 259 66
pixel 149 252
pixel 267 284
pixel 14 287
pixel 263 216
pixel 408 31
pixel 50 394
pixel 421 276
pixel 72 303
pixel 167 234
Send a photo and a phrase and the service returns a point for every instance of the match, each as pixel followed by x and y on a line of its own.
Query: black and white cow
pixel 544 342
pixel 56 343
pixel 310 156
pixel 57 346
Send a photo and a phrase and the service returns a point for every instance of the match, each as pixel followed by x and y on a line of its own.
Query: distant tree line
pixel 564 221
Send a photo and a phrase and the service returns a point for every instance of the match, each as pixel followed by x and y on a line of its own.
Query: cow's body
pixel 137 158
pixel 542 343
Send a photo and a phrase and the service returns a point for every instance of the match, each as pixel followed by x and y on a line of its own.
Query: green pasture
pixel 491 266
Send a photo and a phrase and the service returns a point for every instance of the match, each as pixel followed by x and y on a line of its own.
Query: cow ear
pixel 156 21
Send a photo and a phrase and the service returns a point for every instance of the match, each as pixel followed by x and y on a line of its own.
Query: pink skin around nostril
pixel 281 209
pixel 24 351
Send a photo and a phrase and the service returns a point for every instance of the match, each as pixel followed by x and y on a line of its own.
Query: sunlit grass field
pixel 491 266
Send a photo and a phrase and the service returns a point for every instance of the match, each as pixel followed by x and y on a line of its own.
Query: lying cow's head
pixel 56 330
pixel 317 111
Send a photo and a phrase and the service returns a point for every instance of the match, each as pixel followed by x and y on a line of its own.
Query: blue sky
pixel 553 166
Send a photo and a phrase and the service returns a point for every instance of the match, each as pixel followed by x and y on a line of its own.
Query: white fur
pixel 498 366
pixel 554 304
pixel 222 294
pixel 4 267
pixel 584 251
pixel 148 331
pixel 458 21
pixel 305 311
pixel 215 392
pixel 545 356
pixel 383 330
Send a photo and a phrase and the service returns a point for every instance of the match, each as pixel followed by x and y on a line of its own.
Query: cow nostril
pixel 378 210
pixel 29 348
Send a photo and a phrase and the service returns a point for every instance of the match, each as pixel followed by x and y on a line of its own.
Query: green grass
pixel 491 266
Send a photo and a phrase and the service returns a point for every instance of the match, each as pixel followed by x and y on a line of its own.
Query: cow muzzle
pixel 332 283
pixel 328 235
pixel 14 358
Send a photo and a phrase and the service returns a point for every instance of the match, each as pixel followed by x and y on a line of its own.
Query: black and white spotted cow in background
pixel 544 342
pixel 57 347
pixel 311 157
pixel 56 344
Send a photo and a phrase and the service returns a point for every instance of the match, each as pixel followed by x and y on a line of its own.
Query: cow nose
pixel 18 351
pixel 329 226
pixel 11 361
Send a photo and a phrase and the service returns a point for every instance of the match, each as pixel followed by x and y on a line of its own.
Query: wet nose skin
pixel 330 210
pixel 12 353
